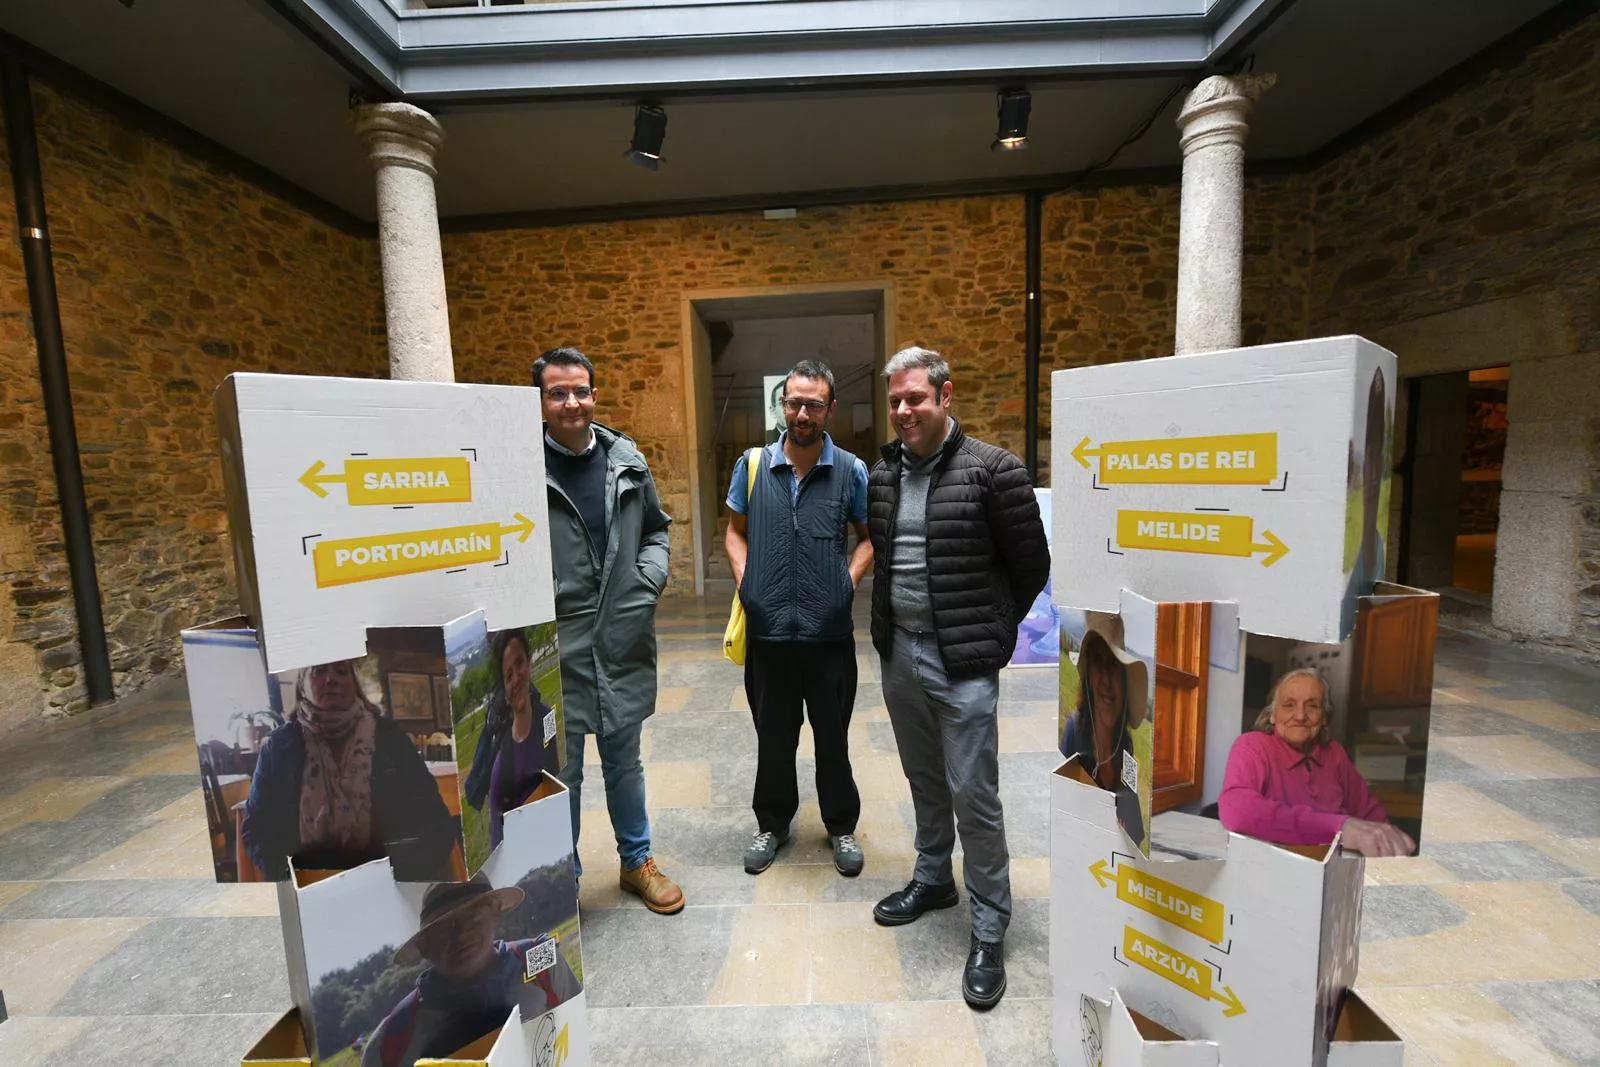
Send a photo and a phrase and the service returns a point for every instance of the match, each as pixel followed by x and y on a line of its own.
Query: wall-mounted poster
pixel 772 394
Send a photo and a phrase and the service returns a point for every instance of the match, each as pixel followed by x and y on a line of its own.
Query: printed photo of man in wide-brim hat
pixel 471 979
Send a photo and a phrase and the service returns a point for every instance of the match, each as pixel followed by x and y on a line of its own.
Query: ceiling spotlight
pixel 649 130
pixel 1012 134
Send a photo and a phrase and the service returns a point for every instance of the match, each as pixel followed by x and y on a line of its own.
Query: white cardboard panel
pixel 1227 947
pixel 362 915
pixel 324 552
pixel 1140 446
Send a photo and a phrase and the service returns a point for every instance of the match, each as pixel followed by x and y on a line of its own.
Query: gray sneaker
pixel 848 859
pixel 762 850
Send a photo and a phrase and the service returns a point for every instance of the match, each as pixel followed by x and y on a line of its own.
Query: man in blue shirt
pixel 787 544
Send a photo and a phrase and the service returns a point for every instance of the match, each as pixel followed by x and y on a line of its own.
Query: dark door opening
pixel 1451 509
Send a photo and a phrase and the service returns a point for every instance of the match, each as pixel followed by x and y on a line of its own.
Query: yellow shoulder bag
pixel 733 636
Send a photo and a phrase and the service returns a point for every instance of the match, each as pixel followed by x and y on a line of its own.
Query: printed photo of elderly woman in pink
pixel 1289 782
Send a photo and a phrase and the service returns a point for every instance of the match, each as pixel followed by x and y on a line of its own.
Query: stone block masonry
pixel 172 273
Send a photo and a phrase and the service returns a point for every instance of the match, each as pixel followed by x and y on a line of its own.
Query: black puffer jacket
pixel 987 556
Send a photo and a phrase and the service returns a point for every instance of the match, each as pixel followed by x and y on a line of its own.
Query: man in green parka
pixel 608 543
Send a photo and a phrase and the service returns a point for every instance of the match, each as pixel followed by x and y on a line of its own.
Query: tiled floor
pixel 115 946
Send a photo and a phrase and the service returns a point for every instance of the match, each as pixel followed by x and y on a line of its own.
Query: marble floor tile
pixel 55 798
pixel 853 959
pixel 769 957
pixel 182 1040
pixel 1513 757
pixel 921 1034
pixel 1565 1015
pixel 1552 715
pixel 1566 807
pixel 114 898
pixel 1498 861
pixel 801 1035
pixel 1458 1025
pixel 40 959
pixel 1585 892
pixel 1391 911
pixel 1454 813
pixel 185 966
pixel 634 957
pixel 1016 1031
pixel 31 1040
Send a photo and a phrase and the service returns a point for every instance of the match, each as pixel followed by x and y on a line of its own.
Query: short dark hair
pixel 561 357
pixel 814 369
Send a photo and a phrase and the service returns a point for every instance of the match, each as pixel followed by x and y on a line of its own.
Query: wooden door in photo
pixel 1183 646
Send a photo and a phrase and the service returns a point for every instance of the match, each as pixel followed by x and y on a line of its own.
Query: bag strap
pixel 750 471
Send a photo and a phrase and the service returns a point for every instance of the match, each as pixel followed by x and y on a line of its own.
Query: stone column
pixel 402 143
pixel 1212 128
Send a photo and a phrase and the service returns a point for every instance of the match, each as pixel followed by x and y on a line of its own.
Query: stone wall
pixel 172 273
pixel 615 291
pixel 1468 235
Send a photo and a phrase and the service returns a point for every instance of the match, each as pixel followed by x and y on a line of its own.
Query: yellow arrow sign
pixel 1181 970
pixel 1227 459
pixel 1208 534
pixel 560 1047
pixel 425 480
pixel 1200 915
pixel 365 559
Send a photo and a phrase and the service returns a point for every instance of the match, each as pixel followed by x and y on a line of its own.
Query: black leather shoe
pixel 983 983
pixel 908 904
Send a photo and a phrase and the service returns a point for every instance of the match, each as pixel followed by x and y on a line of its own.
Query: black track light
pixel 649 130
pixel 1012 133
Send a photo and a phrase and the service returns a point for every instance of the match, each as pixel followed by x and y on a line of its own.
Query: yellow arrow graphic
pixel 1274 548
pixel 523 526
pixel 1102 873
pixel 312 482
pixel 1233 1005
pixel 560 1047
pixel 1083 452
pixel 424 480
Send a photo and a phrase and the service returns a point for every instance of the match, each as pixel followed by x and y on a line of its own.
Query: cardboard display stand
pixel 357 726
pixel 356 503
pixel 1220 527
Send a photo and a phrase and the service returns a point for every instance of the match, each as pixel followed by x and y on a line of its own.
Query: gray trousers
pixel 950 751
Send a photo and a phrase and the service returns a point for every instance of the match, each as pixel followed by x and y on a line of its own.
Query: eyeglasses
pixel 561 396
pixel 795 406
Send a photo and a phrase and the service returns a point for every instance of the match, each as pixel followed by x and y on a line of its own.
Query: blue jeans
pixel 623 774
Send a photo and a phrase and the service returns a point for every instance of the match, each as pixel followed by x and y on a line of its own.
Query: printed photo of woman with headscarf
pixel 339 783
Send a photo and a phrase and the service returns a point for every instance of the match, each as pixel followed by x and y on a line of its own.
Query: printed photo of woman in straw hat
pixel 470 979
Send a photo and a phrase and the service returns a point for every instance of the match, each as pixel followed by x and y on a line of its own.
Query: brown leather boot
pixel 659 893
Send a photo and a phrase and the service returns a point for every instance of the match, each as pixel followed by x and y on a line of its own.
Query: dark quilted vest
pixel 987 556
pixel 797 581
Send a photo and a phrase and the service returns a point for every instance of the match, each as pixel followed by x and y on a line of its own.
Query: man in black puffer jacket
pixel 959 554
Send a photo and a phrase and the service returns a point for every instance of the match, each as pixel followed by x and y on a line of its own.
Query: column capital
pixel 1217 111
pixel 401 135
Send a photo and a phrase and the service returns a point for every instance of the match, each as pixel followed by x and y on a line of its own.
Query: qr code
pixel 549 725
pixel 539 958
pixel 1130 771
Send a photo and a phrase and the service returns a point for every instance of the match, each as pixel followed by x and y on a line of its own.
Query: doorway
pixel 737 343
pixel 1456 429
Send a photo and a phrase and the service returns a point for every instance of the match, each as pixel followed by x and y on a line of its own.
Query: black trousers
pixel 779 678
